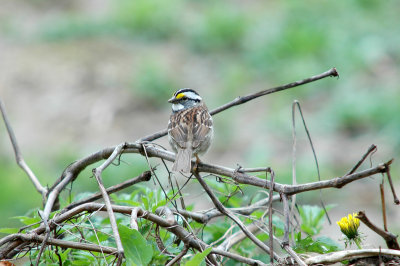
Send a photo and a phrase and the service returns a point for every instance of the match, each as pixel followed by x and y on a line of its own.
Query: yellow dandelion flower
pixel 349 227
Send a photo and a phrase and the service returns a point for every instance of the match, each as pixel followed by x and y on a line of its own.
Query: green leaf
pixel 198 258
pixel 137 251
pixel 9 230
pixel 312 218
pixel 328 244
pixel 28 220
pixel 320 245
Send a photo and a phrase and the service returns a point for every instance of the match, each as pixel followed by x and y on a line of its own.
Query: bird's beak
pixel 173 100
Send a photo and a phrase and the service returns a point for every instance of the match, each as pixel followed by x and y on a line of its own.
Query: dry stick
pixel 133 223
pixel 237 257
pixel 396 200
pixel 241 100
pixel 371 149
pixel 34 238
pixel 381 188
pixel 228 213
pixel 253 170
pixel 179 256
pixel 296 103
pixel 348 255
pixel 391 239
pixel 237 237
pixel 97 173
pixel 294 177
pixel 271 233
pixel 286 213
pixel 43 246
pixel 205 217
pixel 18 155
pixel 145 176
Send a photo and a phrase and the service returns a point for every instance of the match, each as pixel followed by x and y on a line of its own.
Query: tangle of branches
pixel 60 230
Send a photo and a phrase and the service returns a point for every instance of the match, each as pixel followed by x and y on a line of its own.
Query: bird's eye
pixel 184 98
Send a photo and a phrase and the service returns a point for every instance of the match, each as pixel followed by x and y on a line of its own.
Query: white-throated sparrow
pixel 190 128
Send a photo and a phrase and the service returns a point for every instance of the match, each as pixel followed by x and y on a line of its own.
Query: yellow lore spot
pixel 180 95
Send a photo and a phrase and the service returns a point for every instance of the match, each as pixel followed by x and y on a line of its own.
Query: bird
pixel 190 128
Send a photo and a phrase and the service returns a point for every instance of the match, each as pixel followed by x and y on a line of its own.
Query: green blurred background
pixel 77 76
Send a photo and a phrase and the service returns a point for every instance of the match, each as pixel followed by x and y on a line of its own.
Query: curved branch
pixel 350 254
pixel 18 155
pixel 75 168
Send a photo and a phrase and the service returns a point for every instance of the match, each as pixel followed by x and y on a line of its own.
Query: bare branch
pixel 18 155
pixel 396 200
pixel 34 238
pixel 241 100
pixel 179 256
pixel 371 149
pixel 271 232
pixel 205 217
pixel 391 240
pixel 145 176
pixel 382 190
pixel 237 257
pixel 97 173
pixel 237 237
pixel 133 223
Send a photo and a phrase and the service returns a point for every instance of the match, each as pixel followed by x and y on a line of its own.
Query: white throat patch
pixel 177 107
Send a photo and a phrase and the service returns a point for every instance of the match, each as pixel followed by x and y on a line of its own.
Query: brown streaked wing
pixel 201 127
pixel 179 132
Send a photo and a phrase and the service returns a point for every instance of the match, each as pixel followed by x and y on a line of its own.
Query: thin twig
pixel 372 148
pixel 286 213
pixel 382 191
pixel 97 173
pixel 179 256
pixel 145 176
pixel 396 200
pixel 18 155
pixel 296 103
pixel 42 247
pixel 205 217
pixel 243 99
pixel 237 237
pixel 253 170
pixel 271 232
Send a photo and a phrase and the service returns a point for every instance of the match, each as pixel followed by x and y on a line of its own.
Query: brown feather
pixel 190 132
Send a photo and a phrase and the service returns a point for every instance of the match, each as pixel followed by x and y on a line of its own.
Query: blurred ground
pixel 79 76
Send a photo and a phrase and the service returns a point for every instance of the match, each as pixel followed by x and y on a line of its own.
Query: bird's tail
pixel 183 161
